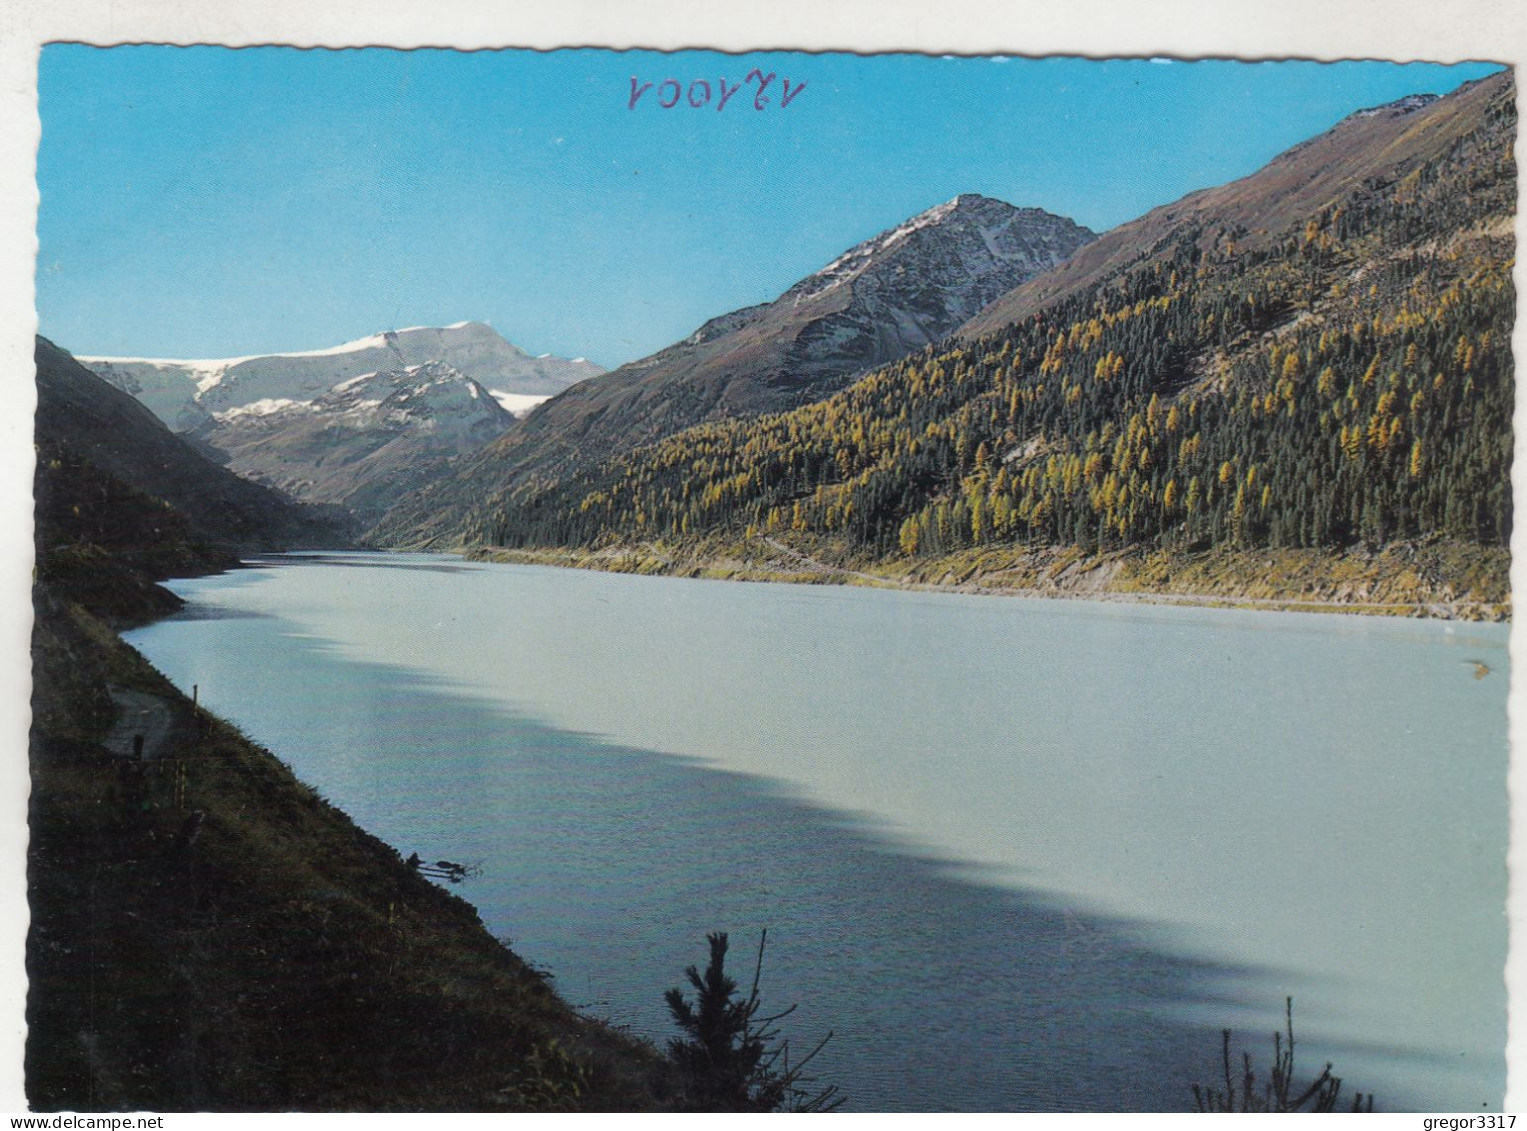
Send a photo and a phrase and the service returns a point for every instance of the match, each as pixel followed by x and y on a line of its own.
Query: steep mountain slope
pixel 880 300
pixel 1316 356
pixel 363 444
pixel 1367 149
pixel 184 393
pixel 98 447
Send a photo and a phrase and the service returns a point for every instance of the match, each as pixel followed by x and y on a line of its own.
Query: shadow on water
pixel 608 864
pixel 943 992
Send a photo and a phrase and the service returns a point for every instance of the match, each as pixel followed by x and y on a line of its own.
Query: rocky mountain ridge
pixel 876 302
pixel 363 443
pixel 1352 160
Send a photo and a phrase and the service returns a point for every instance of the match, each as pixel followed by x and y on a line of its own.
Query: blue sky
pixel 208 202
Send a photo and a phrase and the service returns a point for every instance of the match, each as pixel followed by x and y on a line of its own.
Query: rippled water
pixel 1013 853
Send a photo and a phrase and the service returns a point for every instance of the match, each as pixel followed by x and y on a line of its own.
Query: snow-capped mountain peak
pixel 361 440
pixel 184 393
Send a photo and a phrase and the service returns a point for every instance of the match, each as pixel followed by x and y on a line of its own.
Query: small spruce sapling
pixel 732 1059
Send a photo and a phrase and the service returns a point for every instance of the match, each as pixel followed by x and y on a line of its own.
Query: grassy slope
pixel 268 954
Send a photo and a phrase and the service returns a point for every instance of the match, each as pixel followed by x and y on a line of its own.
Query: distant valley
pixel 122 502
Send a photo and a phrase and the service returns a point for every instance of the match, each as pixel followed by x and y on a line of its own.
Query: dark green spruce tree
pixel 731 1059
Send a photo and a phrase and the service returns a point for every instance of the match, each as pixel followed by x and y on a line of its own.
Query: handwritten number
pixel 701 93
pixel 759 101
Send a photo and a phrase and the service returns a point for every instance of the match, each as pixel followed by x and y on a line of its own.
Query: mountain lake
pixel 1014 854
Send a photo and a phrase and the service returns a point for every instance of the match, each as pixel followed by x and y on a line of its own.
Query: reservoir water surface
pixel 1014 854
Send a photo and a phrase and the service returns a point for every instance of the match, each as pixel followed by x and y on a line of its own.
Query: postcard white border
pixel 1435 30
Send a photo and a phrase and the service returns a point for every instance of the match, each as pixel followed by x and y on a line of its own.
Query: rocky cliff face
pixel 878 301
pixel 914 284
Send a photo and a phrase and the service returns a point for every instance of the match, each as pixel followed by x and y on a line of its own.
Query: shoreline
pixel 1389 582
pixel 240 897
